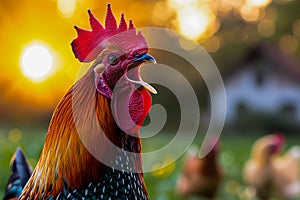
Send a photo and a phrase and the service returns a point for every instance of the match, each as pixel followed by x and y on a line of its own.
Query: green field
pixel 160 184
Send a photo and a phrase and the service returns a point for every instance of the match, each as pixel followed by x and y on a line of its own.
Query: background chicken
pixel 201 177
pixel 20 173
pixel 271 175
pixel 98 119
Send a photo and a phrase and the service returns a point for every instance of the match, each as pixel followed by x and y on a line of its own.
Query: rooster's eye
pixel 112 59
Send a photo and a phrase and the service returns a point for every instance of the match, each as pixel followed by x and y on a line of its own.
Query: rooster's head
pixel 276 144
pixel 267 147
pixel 118 52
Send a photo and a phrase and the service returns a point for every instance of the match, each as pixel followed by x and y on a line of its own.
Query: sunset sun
pixel 36 62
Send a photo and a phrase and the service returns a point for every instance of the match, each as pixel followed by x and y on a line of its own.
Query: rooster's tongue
pixel 146 86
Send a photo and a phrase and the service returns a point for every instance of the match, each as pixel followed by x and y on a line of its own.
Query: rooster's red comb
pixel 89 44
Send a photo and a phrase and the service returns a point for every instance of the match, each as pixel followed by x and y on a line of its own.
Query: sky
pixel 29 28
pixel 38 65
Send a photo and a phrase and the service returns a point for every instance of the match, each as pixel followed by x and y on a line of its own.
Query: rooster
pixel 92 149
pixel 201 176
pixel 20 173
pixel 270 175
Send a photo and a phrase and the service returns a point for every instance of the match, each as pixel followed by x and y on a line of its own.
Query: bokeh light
pixel 36 62
pixel 296 28
pixel 288 43
pixel 249 13
pixel 181 3
pixel 157 17
pixel 15 135
pixel 66 7
pixel 187 44
pixel 166 168
pixel 232 187
pixel 259 3
pixel 212 44
pixel 266 28
pixel 195 19
pixel 194 22
pixel 226 6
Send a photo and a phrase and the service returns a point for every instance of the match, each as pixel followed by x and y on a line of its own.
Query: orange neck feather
pixel 64 158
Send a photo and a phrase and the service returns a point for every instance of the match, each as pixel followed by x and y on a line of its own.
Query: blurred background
pixel 254 43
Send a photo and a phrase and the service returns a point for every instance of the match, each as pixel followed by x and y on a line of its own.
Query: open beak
pixel 134 76
pixel 144 58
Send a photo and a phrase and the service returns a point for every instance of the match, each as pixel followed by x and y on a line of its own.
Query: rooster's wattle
pixel 92 149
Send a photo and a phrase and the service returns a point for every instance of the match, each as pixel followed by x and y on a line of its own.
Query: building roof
pixel 272 54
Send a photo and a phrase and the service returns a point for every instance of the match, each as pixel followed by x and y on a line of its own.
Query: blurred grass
pixel 234 152
pixel 161 186
pixel 28 138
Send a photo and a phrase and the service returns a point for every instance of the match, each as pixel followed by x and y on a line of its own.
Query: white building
pixel 266 81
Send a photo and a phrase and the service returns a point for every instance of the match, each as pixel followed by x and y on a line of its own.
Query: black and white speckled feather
pixel 122 184
pixel 115 185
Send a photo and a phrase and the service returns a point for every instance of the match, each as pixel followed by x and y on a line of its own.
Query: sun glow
pixel 36 62
pixel 193 22
pixel 181 3
pixel 195 19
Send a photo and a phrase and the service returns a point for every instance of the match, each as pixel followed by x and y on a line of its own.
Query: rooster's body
pixel 201 176
pixel 270 175
pixel 92 149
